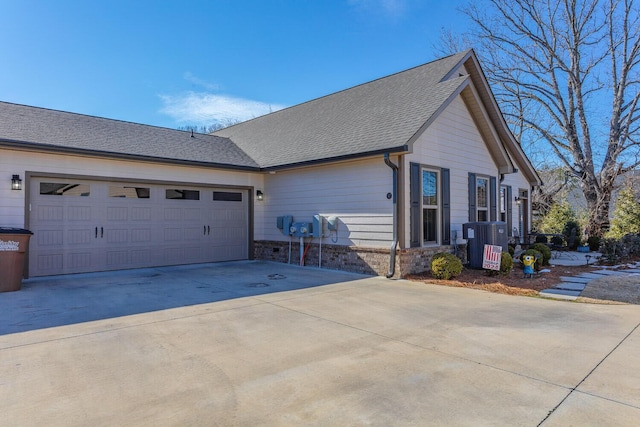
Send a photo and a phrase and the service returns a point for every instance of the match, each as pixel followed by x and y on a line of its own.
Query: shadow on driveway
pixel 46 302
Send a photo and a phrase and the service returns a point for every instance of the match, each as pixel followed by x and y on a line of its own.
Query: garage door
pixel 84 226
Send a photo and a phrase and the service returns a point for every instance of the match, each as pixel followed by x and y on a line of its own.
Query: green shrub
pixel 445 266
pixel 537 255
pixel 557 217
pixel 594 243
pixel 626 216
pixel 506 263
pixel 512 250
pixel 544 250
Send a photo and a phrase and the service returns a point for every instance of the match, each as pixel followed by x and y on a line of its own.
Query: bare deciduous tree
pixel 566 74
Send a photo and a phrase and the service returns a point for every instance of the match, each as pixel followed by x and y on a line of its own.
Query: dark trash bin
pixel 14 244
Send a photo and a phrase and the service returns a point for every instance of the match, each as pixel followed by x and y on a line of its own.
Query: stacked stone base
pixel 354 259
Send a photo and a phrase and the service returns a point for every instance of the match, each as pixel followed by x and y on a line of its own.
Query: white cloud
pixel 205 109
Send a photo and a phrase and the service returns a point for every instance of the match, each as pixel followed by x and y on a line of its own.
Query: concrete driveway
pixel 256 343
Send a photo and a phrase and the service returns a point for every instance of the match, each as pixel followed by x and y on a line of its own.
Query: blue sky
pixel 175 63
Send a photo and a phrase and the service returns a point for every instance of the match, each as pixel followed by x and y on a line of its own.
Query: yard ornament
pixel 528 261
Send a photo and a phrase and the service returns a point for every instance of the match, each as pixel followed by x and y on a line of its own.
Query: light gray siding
pixel 355 192
pixel 452 141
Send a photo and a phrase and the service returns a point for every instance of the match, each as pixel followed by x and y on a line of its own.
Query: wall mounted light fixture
pixel 16 182
pixel 259 195
pixel 518 200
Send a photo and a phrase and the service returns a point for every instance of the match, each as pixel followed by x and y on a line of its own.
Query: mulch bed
pixel 512 284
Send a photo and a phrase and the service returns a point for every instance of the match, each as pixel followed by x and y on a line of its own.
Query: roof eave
pixel 34 147
pixel 393 150
pixel 513 147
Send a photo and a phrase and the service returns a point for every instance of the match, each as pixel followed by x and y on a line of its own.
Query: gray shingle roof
pixel 44 129
pixel 380 115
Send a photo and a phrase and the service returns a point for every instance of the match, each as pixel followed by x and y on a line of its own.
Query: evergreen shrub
pixel 544 250
pixel 445 266
pixel 506 263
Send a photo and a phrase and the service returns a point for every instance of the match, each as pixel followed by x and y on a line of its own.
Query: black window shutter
pixel 446 206
pixel 472 197
pixel 415 188
pixel 492 198
pixel 509 200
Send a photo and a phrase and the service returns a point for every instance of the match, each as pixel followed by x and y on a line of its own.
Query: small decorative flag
pixel 492 257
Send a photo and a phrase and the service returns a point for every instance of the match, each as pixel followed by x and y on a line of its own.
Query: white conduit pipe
pixel 301 251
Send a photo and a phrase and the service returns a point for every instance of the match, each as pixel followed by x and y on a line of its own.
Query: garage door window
pixel 177 194
pixel 129 192
pixel 227 196
pixel 64 189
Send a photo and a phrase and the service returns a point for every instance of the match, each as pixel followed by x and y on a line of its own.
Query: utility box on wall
pixel 284 223
pixel 479 234
pixel 301 229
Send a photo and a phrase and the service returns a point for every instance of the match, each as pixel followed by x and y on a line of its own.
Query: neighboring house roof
pixel 382 116
pixel 50 130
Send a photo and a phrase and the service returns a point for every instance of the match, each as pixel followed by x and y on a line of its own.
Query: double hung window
pixel 430 199
pixel 430 206
pixel 482 199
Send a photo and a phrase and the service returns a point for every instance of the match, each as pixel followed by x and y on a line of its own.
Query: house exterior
pixel 389 170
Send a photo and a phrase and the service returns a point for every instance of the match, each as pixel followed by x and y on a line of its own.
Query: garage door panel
pixel 173 214
pixel 49 263
pixel 79 213
pixel 140 214
pixel 141 235
pixel 82 236
pixel 193 233
pixel 173 234
pixel 46 237
pixel 141 257
pixel 115 236
pixel 83 225
pixel 50 213
pixel 79 261
pixel 120 213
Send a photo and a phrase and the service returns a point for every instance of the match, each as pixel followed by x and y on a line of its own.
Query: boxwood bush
pixel 506 263
pixel 544 250
pixel 445 266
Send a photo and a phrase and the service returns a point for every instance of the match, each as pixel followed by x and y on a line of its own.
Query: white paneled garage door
pixel 83 225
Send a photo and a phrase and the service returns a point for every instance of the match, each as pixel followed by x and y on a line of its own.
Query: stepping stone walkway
pixel 571 287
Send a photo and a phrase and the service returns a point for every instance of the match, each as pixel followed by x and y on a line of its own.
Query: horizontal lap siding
pixel 452 141
pixel 355 192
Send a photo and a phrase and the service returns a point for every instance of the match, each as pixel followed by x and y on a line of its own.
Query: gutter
pixel 394 244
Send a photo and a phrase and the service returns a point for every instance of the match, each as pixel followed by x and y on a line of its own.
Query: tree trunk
pixel 598 201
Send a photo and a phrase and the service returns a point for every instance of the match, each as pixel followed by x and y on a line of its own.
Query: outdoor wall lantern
pixel 518 200
pixel 16 182
pixel 259 195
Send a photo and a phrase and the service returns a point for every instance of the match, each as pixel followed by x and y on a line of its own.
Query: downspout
pixel 394 244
